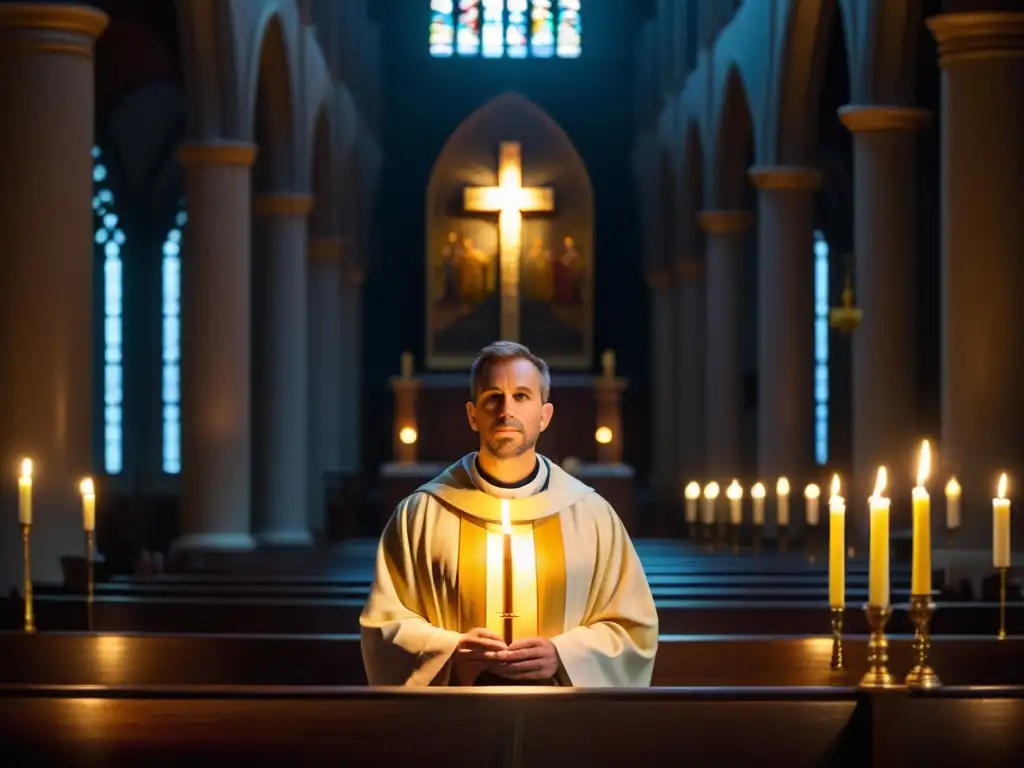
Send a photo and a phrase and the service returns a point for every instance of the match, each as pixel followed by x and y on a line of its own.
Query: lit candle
pixel 692 494
pixel 711 491
pixel 1001 526
pixel 878 559
pixel 25 493
pixel 812 494
pixel 921 560
pixel 836 546
pixel 757 494
pixel 735 494
pixel 782 491
pixel 88 491
pixel 952 504
pixel 507 578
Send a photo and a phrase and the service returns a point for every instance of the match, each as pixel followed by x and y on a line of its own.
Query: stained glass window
pixel 171 345
pixel 515 29
pixel 109 240
pixel 821 384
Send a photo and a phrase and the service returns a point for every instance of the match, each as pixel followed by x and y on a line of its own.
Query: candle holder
pixel 90 588
pixel 878 675
pixel 922 676
pixel 837 638
pixel 1002 603
pixel 30 618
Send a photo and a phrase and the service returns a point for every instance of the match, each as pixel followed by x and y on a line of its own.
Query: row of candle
pixel 86 488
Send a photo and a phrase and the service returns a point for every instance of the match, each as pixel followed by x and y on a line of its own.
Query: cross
pixel 510 199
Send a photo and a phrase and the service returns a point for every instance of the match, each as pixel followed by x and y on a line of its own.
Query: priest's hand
pixel 533 658
pixel 477 651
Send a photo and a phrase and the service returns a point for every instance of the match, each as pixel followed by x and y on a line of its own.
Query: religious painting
pixel 509 240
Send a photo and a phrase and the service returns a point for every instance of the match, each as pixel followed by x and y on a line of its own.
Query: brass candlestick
pixel 90 589
pixel 878 674
pixel 1002 603
pixel 26 535
pixel 922 676
pixel 837 638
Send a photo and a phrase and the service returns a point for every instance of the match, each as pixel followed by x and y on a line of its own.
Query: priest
pixel 582 611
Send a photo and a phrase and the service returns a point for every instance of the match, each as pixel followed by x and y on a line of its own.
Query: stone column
pixel 723 430
pixel 982 119
pixel 280 375
pixel 46 307
pixel 350 393
pixel 660 282
pixel 325 371
pixel 216 415
pixel 885 233
pixel 785 408
pixel 690 330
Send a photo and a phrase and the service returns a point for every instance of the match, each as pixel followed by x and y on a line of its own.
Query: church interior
pixel 769 249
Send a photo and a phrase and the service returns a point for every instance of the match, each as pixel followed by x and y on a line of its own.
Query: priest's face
pixel 509 412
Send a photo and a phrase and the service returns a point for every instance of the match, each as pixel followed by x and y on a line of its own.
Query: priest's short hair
pixel 507 350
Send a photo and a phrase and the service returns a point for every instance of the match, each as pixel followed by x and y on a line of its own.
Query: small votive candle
pixel 953 504
pixel 711 491
pixel 692 494
pixel 812 495
pixel 782 492
pixel 757 494
pixel 735 494
pixel 25 493
pixel 1001 526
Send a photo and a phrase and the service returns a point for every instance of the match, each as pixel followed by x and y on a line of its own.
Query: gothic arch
pixel 274 110
pixel 733 145
pixel 324 217
pixel 693 192
pixel 668 210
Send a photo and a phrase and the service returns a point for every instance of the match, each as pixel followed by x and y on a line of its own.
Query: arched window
pixel 515 29
pixel 171 346
pixel 109 240
pixel 821 384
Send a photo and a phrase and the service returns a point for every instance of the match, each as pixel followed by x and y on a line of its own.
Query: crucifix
pixel 510 199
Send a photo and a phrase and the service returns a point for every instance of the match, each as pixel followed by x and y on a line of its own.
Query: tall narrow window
pixel 493 26
pixel 171 343
pixel 821 383
pixel 442 30
pixel 467 31
pixel 109 240
pixel 542 28
pixel 570 36
pixel 516 33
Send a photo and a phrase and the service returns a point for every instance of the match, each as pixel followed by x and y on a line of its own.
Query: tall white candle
pixel 1001 526
pixel 692 495
pixel 836 547
pixel 953 504
pixel 25 493
pixel 757 494
pixel 88 491
pixel 711 491
pixel 782 492
pixel 735 494
pixel 812 494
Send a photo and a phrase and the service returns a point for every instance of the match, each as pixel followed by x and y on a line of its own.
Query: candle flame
pixel 812 491
pixel 757 491
pixel 834 491
pixel 506 518
pixel 924 463
pixel 1001 490
pixel 880 483
pixel 26 469
pixel 711 490
pixel 782 487
pixel 734 491
pixel 86 487
pixel 952 487
pixel 692 491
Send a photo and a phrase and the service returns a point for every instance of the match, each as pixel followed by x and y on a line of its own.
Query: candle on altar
pixel 782 491
pixel 692 494
pixel 25 493
pixel 735 495
pixel 711 491
pixel 812 495
pixel 1001 526
pixel 757 495
pixel 407 365
pixel 921 559
pixel 952 504
pixel 507 577
pixel 88 491
pixel 878 558
pixel 836 546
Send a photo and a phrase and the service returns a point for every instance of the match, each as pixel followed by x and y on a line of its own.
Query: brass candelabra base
pixel 837 639
pixel 1002 603
pixel 878 675
pixel 30 618
pixel 922 676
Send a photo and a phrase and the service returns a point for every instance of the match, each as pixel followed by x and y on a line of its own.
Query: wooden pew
pixel 310 660
pixel 555 727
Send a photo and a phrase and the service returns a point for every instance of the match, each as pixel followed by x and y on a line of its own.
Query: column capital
pixel 980 35
pixel 282 204
pixel 725 222
pixel 785 177
pixel 659 278
pixel 326 248
pixel 689 269
pixel 861 118
pixel 50 28
pixel 217 153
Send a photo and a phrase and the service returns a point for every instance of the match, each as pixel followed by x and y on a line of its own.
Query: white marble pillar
pixel 661 282
pixel 216 320
pixel 725 245
pixel 46 249
pixel 982 122
pixel 325 371
pixel 280 374
pixel 785 242
pixel 884 370
pixel 690 346
pixel 351 366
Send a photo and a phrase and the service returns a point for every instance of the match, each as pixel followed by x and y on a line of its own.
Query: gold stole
pixel 550 564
